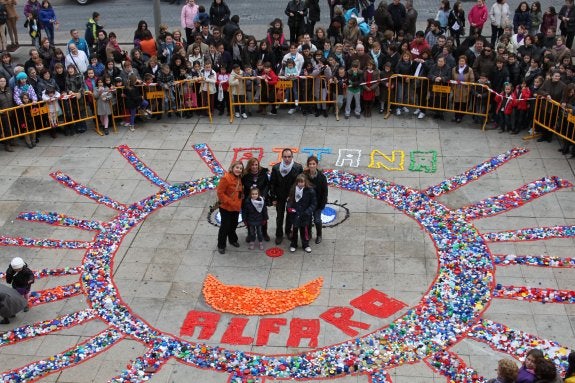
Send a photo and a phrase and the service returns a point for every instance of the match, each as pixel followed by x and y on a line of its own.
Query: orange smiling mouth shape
pixel 255 300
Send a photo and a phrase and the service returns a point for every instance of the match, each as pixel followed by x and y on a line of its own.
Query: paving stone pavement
pixel 160 266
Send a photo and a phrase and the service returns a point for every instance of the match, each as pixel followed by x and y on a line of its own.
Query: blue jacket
pixel 45 15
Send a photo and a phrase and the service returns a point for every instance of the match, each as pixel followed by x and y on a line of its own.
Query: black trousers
pixel 304 233
pixel 568 36
pixel 228 227
pixel 281 213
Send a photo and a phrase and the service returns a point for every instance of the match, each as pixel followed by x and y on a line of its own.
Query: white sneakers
pixel 307 249
pixel 237 115
pixel 244 116
pixel 418 112
pixel 296 102
pixel 291 111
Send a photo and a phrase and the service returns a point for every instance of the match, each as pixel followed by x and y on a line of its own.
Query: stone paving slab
pixel 160 266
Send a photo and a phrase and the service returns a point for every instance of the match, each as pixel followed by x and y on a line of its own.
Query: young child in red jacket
pixel 268 88
pixel 522 96
pixel 506 101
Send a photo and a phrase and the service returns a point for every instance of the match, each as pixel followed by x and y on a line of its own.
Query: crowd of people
pixel 536 368
pixel 299 195
pixel 354 56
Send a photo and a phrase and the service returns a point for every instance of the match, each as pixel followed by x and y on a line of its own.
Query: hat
pixel 17 263
pixel 118 79
pixel 387 63
pixel 21 76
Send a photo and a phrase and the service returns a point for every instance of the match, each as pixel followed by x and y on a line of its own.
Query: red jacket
pixel 506 102
pixel 478 15
pixel 271 77
pixel 522 96
pixel 417 47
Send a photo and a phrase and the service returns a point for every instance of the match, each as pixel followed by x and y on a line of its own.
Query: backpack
pixel 3 14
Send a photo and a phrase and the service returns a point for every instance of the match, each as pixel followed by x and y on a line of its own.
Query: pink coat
pixel 189 12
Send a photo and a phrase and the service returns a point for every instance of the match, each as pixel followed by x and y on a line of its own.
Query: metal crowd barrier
pixel 550 115
pixel 453 96
pixel 180 97
pixel 187 96
pixel 307 90
pixel 42 116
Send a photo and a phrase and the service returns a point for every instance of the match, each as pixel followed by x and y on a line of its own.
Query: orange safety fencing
pixel 452 96
pixel 196 95
pixel 550 115
pixel 32 118
pixel 248 92
pixel 179 97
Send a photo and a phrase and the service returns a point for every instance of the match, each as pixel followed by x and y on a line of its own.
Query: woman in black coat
pixel 313 16
pixel 319 182
pixel 219 13
pixel 257 176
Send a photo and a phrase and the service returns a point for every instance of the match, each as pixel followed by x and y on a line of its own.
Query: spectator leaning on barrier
pixel 552 89
pixel 6 101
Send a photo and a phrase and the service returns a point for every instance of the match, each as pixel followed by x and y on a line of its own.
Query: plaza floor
pixel 380 250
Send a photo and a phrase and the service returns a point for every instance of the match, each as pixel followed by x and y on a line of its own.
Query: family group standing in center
pixel 298 195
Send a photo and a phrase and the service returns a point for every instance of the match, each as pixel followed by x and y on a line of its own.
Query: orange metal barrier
pixel 33 118
pixel 179 97
pixel 550 115
pixel 303 90
pixel 454 97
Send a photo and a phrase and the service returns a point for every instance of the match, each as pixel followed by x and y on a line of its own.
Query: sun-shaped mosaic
pixel 450 311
